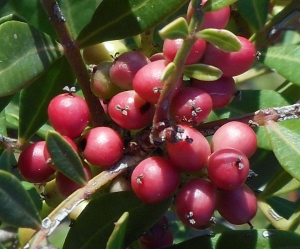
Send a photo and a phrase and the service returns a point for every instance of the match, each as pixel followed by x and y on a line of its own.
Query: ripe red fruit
pixel 130 111
pixel 147 81
pixel 191 105
pixel 68 114
pixel 215 19
pixel 191 153
pixel 195 203
pixel 32 164
pixel 232 63
pixel 236 135
pixel 103 146
pixel 171 47
pixel 238 206
pixel 221 91
pixel 66 186
pixel 158 236
pixel 125 67
pixel 228 168
pixel 154 179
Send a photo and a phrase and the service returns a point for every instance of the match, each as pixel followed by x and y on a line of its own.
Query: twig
pixel 74 57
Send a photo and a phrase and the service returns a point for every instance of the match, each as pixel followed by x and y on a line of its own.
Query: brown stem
pixel 74 57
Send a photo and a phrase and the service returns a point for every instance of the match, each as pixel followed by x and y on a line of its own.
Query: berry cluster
pixel 129 85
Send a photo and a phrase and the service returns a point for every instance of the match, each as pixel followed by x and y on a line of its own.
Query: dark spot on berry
pixel 145 108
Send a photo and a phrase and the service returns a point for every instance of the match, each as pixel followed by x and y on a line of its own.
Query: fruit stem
pixel 50 223
pixel 74 57
pixel 161 116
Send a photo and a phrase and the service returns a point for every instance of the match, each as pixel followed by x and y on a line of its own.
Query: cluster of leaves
pixel 33 69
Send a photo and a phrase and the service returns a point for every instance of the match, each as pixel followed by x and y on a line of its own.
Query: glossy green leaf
pixel 286 146
pixel 95 224
pixel 34 195
pixel 16 206
pixel 10 17
pixel 213 5
pixel 25 54
pixel 115 241
pixel 8 163
pixel 285 60
pixel 174 30
pixel 33 106
pixel 289 91
pixel 65 157
pixel 244 239
pixel 282 207
pixel 221 38
pixel 202 72
pixel 4 101
pixel 114 19
pixel 254 11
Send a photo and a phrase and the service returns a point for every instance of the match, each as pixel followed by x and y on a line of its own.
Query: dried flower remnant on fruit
pixel 189 216
pixel 139 179
pixel 239 163
pixel 157 89
pixel 123 110
pixel 194 109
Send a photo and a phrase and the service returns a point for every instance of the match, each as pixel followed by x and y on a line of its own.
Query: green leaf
pixel 282 207
pixel 16 206
pixel 8 163
pixel 285 60
pixel 3 2
pixel 286 147
pixel 254 11
pixel 221 38
pixel 34 195
pixel 114 19
pixel 174 30
pixel 289 91
pixel 96 222
pixel 65 158
pixel 10 17
pixel 25 54
pixel 213 5
pixel 115 241
pixel 244 239
pixel 33 106
pixel 202 72
pixel 4 101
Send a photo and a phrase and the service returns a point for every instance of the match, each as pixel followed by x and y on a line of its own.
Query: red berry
pixel 191 105
pixel 154 179
pixel 158 236
pixel 103 146
pixel 195 203
pixel 215 19
pixel 130 111
pixel 32 163
pixel 228 168
pixel 221 91
pixel 171 47
pixel 232 63
pixel 66 186
pixel 68 114
pixel 147 81
pixel 238 206
pixel 125 67
pixel 191 153
pixel 236 135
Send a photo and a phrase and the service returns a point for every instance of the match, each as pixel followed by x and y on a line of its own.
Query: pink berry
pixel 68 114
pixel 103 146
pixel 32 163
pixel 191 152
pixel 154 179
pixel 130 111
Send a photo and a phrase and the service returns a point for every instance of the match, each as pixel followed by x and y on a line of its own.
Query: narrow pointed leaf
pixel 16 206
pixel 202 72
pixel 286 146
pixel 10 17
pixel 34 99
pixel 213 5
pixel 175 30
pixel 244 239
pixel 95 224
pixel 285 60
pixel 115 241
pixel 221 38
pixel 114 19
pixel 254 11
pixel 25 54
pixel 65 158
